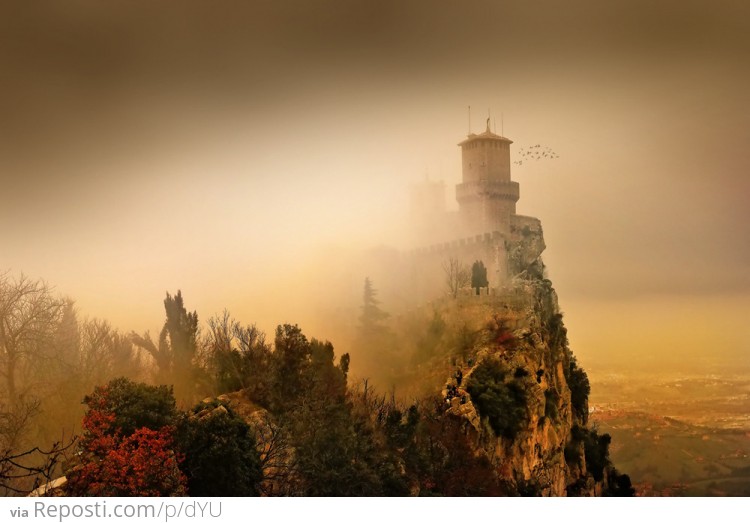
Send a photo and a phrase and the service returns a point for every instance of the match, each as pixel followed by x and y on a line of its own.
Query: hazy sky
pixel 217 146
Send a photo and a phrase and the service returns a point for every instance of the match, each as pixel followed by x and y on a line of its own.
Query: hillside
pixel 486 398
pixel 522 400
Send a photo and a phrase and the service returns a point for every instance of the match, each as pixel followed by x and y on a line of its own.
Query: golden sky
pixel 218 147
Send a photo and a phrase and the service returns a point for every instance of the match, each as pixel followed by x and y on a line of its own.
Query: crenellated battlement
pixel 470 241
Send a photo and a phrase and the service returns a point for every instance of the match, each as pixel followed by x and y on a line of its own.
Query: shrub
pixel 499 399
pixel 131 406
pixel 500 334
pixel 576 489
pixel 557 333
pixel 529 488
pixel 572 452
pixel 440 461
pixel 578 382
pixel 121 456
pixel 428 343
pixel 550 404
pixel 619 485
pixel 596 448
pixel 573 448
pixel 464 340
pixel 220 454
pixel 142 464
pixel 289 361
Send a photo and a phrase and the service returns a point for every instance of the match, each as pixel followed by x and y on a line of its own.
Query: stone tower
pixel 487 197
pixel 486 226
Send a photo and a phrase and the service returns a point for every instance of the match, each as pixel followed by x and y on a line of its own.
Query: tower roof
pixel 486 135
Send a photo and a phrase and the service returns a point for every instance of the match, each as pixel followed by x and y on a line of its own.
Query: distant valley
pixel 677 434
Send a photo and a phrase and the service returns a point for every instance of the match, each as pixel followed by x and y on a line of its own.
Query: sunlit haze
pixel 250 153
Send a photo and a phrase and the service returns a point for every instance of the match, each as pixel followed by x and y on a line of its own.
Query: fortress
pixel 486 226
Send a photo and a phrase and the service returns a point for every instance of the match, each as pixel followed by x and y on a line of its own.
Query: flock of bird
pixel 536 152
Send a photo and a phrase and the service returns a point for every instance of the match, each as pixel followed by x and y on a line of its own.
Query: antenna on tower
pixel 469 119
pixel 494 124
pixel 502 131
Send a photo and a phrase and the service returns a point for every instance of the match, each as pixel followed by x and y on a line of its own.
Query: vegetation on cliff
pixel 499 396
pixel 498 406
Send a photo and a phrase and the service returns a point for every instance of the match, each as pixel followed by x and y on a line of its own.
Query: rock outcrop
pixel 526 337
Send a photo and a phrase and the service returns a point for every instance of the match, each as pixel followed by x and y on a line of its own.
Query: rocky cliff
pixel 522 396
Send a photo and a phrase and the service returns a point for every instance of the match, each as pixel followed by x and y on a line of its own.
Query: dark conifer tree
pixel 372 318
pixel 479 276
pixel 177 346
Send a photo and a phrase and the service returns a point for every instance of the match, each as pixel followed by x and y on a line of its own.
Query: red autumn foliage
pixel 501 334
pixel 141 464
pixel 99 439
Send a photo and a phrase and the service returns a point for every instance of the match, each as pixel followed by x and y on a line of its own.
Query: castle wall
pixel 487 202
pixel 427 264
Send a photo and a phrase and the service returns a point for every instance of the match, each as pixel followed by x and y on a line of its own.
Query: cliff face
pixel 522 396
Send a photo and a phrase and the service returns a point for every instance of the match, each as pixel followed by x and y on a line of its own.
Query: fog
pixel 250 153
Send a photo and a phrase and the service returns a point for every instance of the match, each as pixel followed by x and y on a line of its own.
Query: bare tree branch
pixel 457 275
pixel 29 314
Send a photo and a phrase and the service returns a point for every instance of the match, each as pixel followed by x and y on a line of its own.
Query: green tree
pixel 578 382
pixel 372 317
pixel 289 361
pixel 596 449
pixel 238 358
pixel 596 452
pixel 378 346
pixel 336 452
pixel 220 456
pixel 479 276
pixel 436 457
pixel 177 347
pixel 133 405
